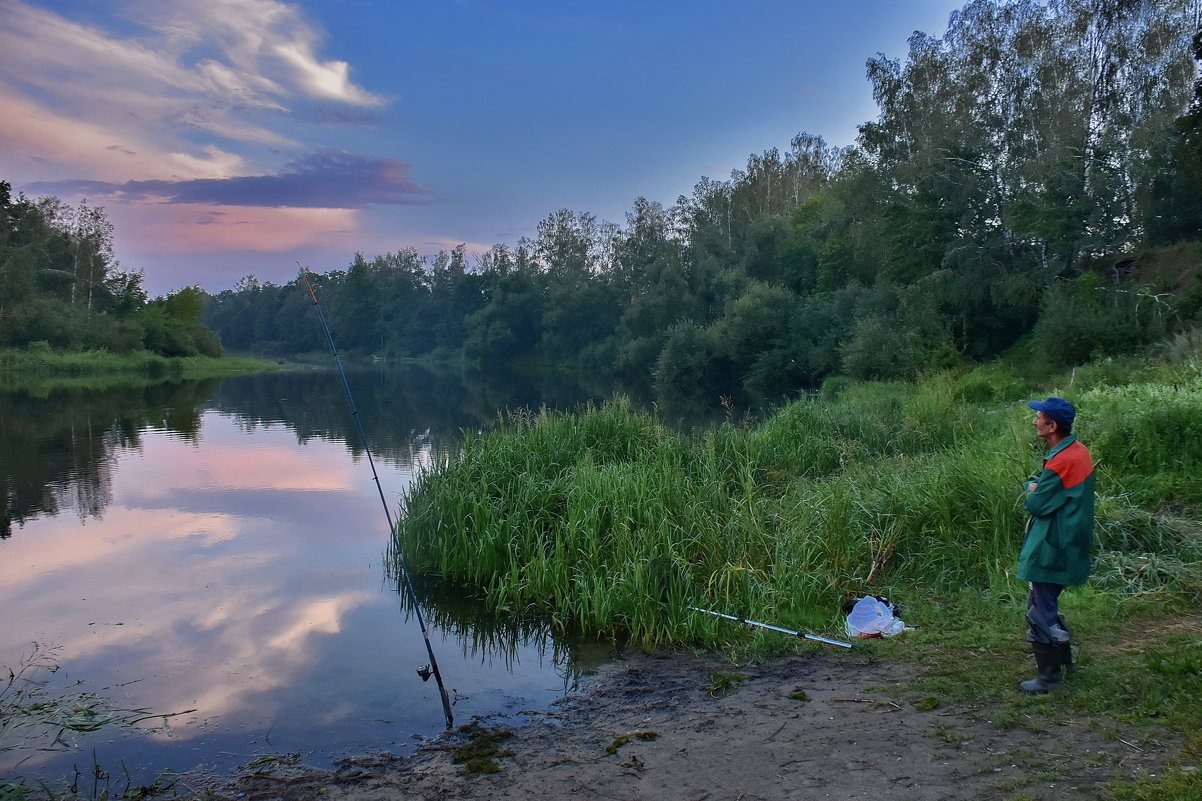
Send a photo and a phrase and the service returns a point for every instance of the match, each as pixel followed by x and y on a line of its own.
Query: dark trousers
pixel 1045 623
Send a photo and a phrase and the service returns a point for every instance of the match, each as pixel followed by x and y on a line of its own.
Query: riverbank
pixel 814 724
pixel 43 369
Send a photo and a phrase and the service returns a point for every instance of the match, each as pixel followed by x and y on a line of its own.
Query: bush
pixel 1085 318
pixel 1184 346
pixel 1149 436
pixel 880 348
pixel 991 383
pixel 687 364
pixel 114 334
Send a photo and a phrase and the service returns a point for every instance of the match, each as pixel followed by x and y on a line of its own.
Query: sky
pixel 229 138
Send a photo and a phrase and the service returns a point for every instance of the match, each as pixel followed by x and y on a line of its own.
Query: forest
pixel 64 289
pixel 1033 181
pixel 1031 186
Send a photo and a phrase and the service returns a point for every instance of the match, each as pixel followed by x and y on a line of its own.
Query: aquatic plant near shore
pixel 35 717
pixel 606 520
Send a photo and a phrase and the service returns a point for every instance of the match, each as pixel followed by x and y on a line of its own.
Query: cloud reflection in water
pixel 208 579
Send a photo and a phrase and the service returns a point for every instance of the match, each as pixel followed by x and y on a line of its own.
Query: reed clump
pixel 605 520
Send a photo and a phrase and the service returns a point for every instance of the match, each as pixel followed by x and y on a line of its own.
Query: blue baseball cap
pixel 1058 409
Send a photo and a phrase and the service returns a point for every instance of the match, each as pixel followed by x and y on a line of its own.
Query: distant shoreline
pixel 42 367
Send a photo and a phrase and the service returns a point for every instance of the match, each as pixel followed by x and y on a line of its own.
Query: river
pixel 214 551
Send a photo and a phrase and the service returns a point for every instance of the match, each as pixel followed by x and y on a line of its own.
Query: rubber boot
pixel 1048 658
pixel 1065 651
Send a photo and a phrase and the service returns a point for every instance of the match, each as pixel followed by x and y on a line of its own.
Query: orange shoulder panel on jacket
pixel 1073 464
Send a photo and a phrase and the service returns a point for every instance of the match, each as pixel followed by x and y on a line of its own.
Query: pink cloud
pixel 195 228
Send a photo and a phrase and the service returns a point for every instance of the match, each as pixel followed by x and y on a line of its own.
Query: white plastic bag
pixel 871 617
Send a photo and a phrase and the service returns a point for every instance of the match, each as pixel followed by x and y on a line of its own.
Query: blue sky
pixel 234 137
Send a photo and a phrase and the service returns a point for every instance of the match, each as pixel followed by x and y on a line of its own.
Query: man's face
pixel 1044 426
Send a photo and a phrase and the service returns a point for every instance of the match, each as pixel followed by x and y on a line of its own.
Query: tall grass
pixel 39 361
pixel 40 371
pixel 606 520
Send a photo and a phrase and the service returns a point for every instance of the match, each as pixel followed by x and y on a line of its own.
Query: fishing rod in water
pixel 426 670
pixel 798 634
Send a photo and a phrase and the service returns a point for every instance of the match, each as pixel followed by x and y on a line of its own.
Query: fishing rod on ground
pixel 770 627
pixel 427 670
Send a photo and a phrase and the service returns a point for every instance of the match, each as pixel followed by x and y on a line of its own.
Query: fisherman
pixel 1055 553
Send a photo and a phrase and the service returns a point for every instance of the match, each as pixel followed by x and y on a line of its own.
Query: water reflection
pixel 500 640
pixel 225 554
pixel 58 448
pixel 203 592
pixel 59 444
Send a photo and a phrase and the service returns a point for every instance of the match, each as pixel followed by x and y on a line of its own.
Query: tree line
pixel 1033 178
pixel 1032 183
pixel 63 288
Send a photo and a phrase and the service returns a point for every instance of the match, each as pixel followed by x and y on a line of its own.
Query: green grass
pixel 607 521
pixel 1177 784
pixel 1137 679
pixel 40 370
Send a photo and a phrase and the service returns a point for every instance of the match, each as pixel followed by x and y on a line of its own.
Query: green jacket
pixel 1060 532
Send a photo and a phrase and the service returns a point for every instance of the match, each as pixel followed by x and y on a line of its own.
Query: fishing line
pixel 432 669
